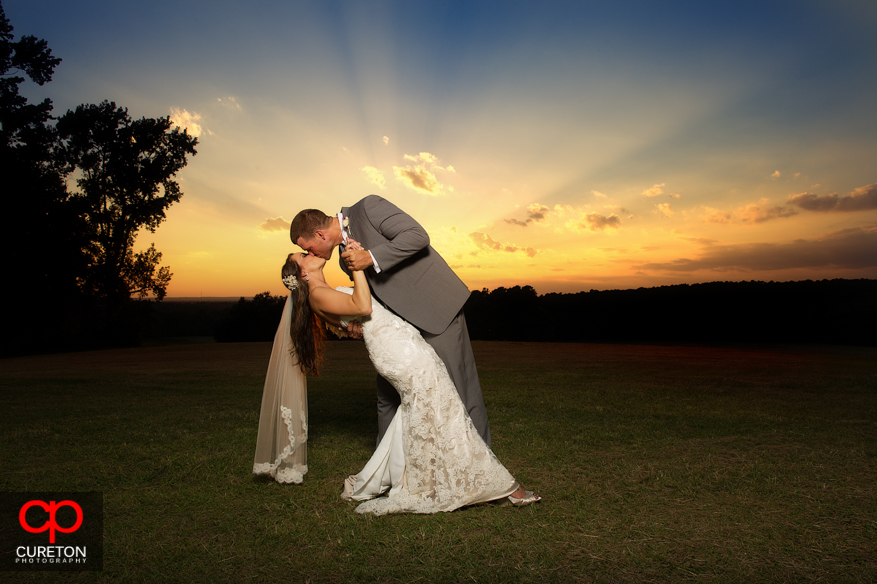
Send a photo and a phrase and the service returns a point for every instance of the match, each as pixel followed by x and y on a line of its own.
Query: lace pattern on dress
pixel 447 464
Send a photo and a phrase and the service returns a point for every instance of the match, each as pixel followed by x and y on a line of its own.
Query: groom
pixel 410 278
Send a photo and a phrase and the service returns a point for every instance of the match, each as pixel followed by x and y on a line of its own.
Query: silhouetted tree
pixel 40 235
pixel 70 265
pixel 127 168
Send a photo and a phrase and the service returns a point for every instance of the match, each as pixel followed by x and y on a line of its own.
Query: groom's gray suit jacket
pixel 416 283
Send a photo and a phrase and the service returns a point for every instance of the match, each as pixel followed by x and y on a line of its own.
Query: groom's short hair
pixel 306 224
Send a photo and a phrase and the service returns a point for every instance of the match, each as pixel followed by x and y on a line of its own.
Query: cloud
pixel 275 224
pixel 187 121
pixel 716 216
pixel 374 175
pixel 485 242
pixel 861 199
pixel 675 196
pixel 422 177
pixel 762 211
pixel 535 212
pixel 665 209
pixel 595 221
pixel 387 140
pixel 853 248
pixel 700 240
pixel 230 102
pixel 654 191
pixel 599 195
pixel 419 179
pixel 776 174
pixel 423 157
pixel 752 213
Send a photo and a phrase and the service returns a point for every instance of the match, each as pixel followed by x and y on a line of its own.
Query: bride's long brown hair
pixel 305 330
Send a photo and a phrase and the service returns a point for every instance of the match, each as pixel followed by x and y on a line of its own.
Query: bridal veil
pixel 281 443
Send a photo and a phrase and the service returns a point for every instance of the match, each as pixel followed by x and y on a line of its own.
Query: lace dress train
pixel 431 459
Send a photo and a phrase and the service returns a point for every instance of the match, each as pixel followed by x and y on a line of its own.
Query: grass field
pixel 656 464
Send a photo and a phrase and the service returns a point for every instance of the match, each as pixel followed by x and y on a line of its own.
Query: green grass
pixel 656 464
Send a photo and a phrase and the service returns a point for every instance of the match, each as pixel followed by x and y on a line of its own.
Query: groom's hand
pixel 357 259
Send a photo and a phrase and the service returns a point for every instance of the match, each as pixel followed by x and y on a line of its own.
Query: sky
pixel 567 146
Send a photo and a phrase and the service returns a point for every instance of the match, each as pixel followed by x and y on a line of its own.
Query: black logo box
pixel 66 553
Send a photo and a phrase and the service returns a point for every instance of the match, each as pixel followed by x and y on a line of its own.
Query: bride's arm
pixel 326 301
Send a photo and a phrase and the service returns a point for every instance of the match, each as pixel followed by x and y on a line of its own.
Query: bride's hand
pixel 352 244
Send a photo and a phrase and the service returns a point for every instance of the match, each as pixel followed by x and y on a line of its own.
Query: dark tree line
pixel 72 274
pixel 251 320
pixel 246 320
pixel 825 311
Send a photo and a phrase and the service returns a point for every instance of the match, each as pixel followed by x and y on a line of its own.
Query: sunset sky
pixel 565 145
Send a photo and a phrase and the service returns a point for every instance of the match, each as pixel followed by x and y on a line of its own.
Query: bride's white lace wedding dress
pixel 431 458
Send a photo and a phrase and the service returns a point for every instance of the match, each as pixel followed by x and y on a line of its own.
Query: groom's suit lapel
pixel 357 227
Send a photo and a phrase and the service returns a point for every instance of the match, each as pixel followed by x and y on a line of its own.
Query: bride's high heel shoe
pixel 529 498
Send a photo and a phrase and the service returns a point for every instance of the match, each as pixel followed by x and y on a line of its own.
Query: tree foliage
pixel 126 170
pixel 24 125
pixel 29 173
pixel 71 266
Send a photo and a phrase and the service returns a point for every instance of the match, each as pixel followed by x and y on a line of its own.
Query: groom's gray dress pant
pixel 455 350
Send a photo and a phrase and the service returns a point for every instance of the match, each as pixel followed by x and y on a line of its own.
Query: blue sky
pixel 565 145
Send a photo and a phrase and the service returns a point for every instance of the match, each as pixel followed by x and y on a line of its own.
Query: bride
pixel 431 459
